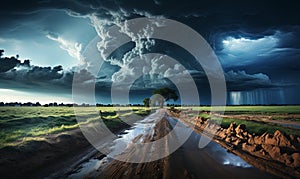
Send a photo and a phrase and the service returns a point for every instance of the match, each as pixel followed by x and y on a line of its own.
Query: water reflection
pixel 141 128
pixel 213 149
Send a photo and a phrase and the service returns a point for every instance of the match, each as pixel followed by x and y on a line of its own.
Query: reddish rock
pixel 198 123
pixel 248 147
pixel 296 158
pixel 264 135
pixel 287 159
pixel 240 128
pixel 270 140
pixel 246 134
pixel 262 153
pixel 274 151
pixel 228 139
pixel 282 140
pixel 251 140
pixel 231 127
pixel 267 148
pixel 222 134
pixel 258 140
pixel 237 142
pixel 240 135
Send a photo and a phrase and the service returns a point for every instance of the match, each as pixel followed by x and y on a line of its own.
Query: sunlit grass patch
pixel 19 124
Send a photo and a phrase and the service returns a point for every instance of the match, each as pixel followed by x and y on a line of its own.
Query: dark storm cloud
pixel 14 75
pixel 215 20
pixel 24 75
pixel 241 81
pixel 252 14
pixel 7 64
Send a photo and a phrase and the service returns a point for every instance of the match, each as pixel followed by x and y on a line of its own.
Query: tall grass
pixel 19 124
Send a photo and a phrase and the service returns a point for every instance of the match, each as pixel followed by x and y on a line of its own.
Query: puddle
pixel 214 150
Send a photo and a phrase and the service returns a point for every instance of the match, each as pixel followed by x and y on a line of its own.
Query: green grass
pixel 259 127
pixel 277 113
pixel 254 109
pixel 19 124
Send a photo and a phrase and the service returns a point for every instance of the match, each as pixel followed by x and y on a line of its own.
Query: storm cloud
pixel 257 42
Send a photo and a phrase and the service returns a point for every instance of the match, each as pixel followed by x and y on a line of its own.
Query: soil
pixel 50 157
pixel 275 153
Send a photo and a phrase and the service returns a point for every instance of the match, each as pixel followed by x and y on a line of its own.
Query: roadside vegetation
pixel 254 109
pixel 20 124
pixel 259 119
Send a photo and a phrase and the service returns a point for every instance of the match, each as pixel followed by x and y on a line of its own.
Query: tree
pixel 164 94
pixel 146 102
pixel 1 53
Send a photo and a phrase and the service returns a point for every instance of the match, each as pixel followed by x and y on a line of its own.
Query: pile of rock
pixel 279 147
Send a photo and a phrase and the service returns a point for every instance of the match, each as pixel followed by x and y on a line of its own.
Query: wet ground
pixel 187 161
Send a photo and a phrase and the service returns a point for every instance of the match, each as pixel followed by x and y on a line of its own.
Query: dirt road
pixel 188 161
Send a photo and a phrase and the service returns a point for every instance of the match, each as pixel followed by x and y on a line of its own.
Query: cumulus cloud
pixel 243 37
pixel 14 74
pixel 73 48
pixel 142 42
pixel 7 64
pixel 242 81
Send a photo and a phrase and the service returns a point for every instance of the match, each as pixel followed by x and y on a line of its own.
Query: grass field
pixel 255 109
pixel 283 113
pixel 20 124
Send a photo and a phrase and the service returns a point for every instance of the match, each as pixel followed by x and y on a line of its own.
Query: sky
pixel 257 44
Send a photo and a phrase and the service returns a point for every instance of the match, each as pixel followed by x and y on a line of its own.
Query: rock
pixel 251 140
pixel 222 134
pixel 266 147
pixel 234 138
pixel 287 159
pixel 240 135
pixel 228 139
pixel 198 123
pixel 231 127
pixel 237 142
pixel 240 128
pixel 262 153
pixel 270 140
pixel 264 135
pixel 258 140
pixel 282 140
pixel 273 151
pixel 246 134
pixel 296 158
pixel 292 137
pixel 248 147
pixel 230 134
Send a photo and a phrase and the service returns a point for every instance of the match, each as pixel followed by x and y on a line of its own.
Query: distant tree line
pixel 54 104
pixel 35 104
